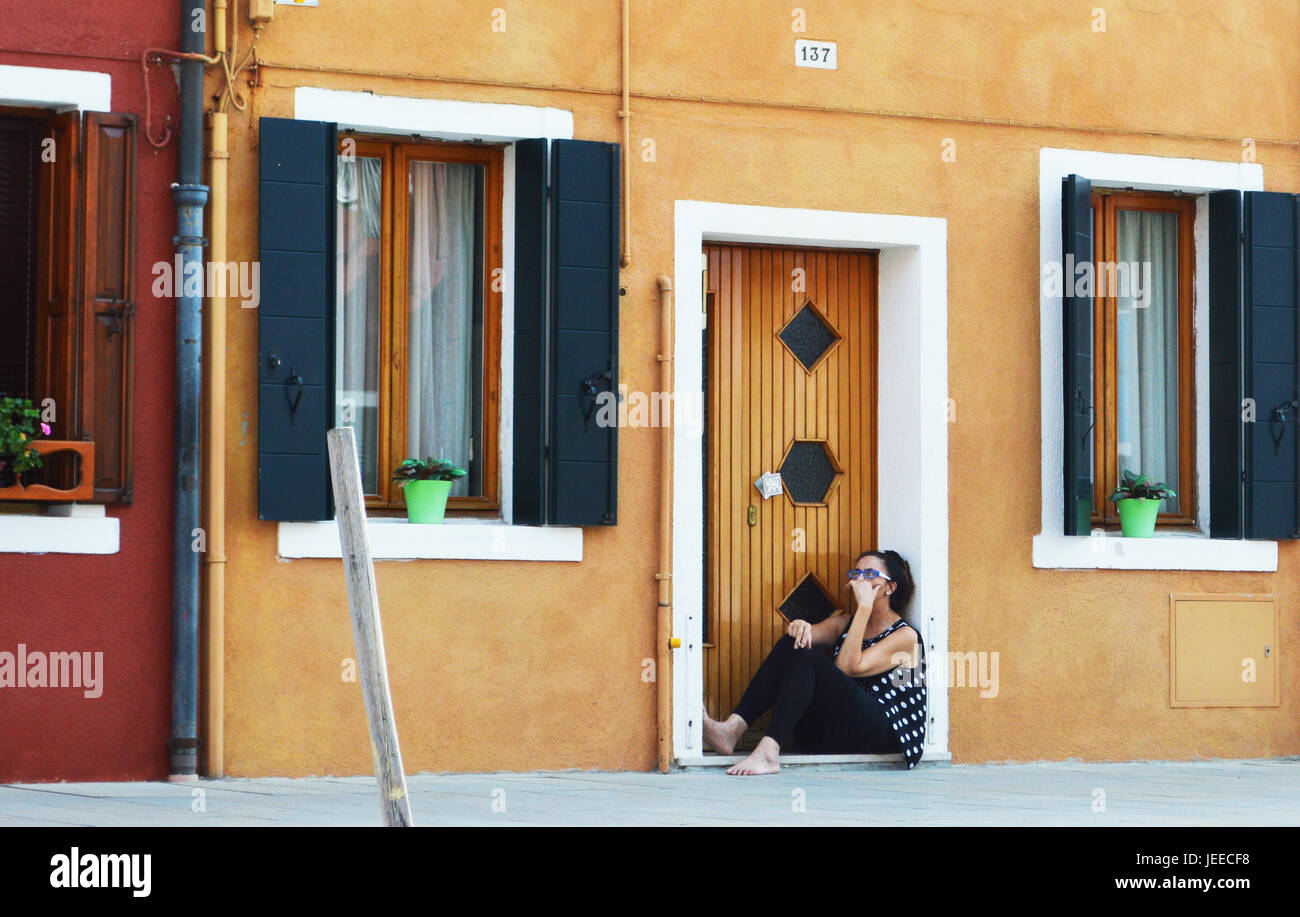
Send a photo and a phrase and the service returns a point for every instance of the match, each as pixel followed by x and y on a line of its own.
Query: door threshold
pixel 710 760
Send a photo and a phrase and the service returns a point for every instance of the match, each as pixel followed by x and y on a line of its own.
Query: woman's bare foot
pixel 722 737
pixel 762 760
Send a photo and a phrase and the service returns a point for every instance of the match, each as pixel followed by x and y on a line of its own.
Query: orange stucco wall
pixel 507 666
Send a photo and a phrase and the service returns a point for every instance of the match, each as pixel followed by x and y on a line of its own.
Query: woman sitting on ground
pixel 868 698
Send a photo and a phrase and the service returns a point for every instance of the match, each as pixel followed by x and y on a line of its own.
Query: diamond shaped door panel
pixel 808 601
pixel 808 336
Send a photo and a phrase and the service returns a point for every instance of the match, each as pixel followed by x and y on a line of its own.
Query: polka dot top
pixel 901 691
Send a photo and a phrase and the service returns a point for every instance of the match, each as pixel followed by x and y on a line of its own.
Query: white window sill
pixel 67 529
pixel 1162 552
pixel 455 539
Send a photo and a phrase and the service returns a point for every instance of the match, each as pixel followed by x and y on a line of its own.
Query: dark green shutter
pixel 296 318
pixel 532 170
pixel 584 331
pixel 1269 342
pixel 1254 313
pixel 1076 248
pixel 1226 462
pixel 565 466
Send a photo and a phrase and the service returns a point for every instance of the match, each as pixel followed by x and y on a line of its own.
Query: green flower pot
pixel 426 501
pixel 1137 518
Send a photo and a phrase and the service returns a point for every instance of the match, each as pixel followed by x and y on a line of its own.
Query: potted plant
pixel 18 425
pixel 426 485
pixel 1138 501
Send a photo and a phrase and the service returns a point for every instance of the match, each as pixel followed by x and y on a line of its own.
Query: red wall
pixel 117 604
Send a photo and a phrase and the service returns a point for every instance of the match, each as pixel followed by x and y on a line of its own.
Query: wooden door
pixel 791 381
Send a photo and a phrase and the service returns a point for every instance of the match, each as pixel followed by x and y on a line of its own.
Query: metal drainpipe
pixel 190 195
pixel 625 114
pixel 665 643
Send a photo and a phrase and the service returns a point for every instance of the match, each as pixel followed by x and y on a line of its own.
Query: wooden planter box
pixel 85 489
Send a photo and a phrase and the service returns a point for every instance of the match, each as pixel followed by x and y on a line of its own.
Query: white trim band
pixel 797 760
pixel 455 539
pixel 67 530
pixel 1161 552
pixel 445 118
pixel 47 87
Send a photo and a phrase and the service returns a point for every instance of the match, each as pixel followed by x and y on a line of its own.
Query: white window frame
pixel 912 462
pixel 61 90
pixel 1167 550
pixel 454 120
pixel 58 528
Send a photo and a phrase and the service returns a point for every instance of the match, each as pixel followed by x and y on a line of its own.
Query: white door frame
pixel 912 414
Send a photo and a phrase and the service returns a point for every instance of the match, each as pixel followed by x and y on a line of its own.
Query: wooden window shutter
pixel 296 318
pixel 1254 334
pixel 56 310
pixel 1076 224
pixel 106 320
pixel 566 332
pixel 584 331
pixel 1227 468
pixel 532 170
pixel 1269 338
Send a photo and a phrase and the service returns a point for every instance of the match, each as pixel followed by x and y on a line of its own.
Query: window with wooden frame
pixel 418 312
pixel 1142 332
pixel 66 293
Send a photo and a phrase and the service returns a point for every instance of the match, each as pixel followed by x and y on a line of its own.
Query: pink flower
pixel 45 428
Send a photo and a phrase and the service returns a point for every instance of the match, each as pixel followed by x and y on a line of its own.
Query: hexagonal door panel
pixel 810 472
pixel 809 336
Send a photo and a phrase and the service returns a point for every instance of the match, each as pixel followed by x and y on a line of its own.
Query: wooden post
pixel 349 502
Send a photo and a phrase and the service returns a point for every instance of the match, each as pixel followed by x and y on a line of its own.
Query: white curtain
pixel 356 369
pixel 1146 337
pixel 440 320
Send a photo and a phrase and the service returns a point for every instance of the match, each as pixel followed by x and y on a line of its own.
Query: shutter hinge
pixel 118 311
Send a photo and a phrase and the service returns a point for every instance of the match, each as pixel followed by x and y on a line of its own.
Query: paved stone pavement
pixel 1235 792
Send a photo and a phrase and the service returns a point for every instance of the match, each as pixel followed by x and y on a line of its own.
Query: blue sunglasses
pixel 855 573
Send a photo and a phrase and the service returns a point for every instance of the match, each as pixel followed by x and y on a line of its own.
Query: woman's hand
pixel 863 593
pixel 801 630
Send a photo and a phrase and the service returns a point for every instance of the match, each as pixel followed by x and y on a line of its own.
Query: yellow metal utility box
pixel 1223 651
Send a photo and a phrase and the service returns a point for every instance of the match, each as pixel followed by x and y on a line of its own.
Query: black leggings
pixel 813 703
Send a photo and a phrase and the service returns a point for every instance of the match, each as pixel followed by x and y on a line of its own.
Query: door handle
pixel 591 388
pixel 751 515
pixel 294 398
